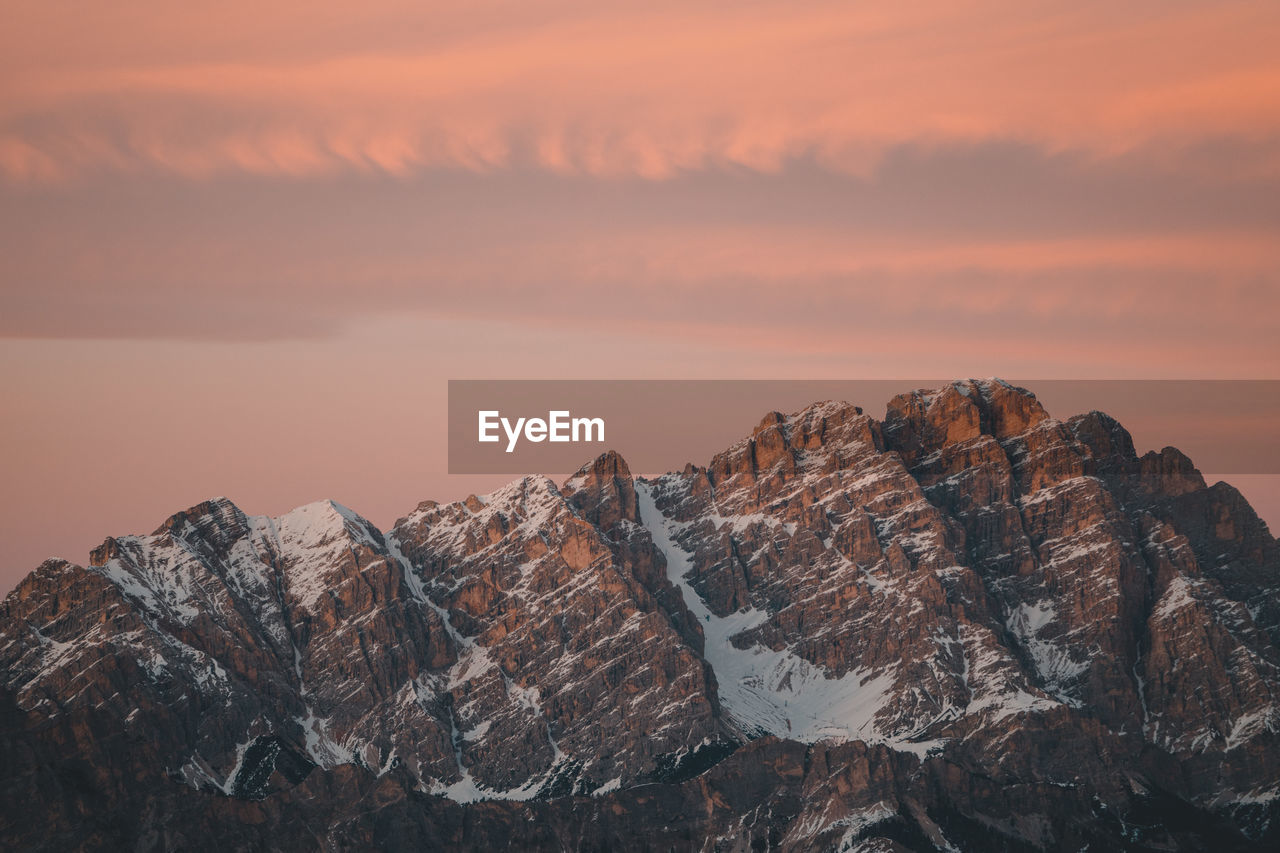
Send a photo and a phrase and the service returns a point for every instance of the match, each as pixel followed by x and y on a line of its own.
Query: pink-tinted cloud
pixel 616 89
pixel 1115 265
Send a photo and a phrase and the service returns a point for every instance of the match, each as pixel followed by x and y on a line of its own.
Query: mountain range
pixel 965 626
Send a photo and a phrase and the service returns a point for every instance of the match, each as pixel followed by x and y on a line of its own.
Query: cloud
pixel 970 251
pixel 992 164
pixel 614 90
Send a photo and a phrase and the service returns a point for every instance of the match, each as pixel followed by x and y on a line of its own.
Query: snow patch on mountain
pixel 1053 661
pixel 763 690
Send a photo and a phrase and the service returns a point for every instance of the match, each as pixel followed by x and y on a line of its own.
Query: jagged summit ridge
pixel 967 590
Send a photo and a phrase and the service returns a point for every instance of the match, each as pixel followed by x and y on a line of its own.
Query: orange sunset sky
pixel 245 244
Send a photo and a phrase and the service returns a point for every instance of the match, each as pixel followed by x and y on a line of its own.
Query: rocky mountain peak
pixel 215 514
pixel 920 423
pixel 1110 445
pixel 604 492
pixel 967 625
pixel 319 523
pixel 1170 473
pixel 1008 410
pixel 781 447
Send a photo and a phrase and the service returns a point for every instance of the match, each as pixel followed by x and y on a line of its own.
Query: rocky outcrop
pixel 570 636
pixel 967 625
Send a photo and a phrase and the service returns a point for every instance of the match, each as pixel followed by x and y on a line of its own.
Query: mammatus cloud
pixel 613 90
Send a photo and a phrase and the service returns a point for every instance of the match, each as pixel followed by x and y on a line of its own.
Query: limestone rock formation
pixel 968 625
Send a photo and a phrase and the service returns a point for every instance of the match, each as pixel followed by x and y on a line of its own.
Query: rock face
pixel 965 626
